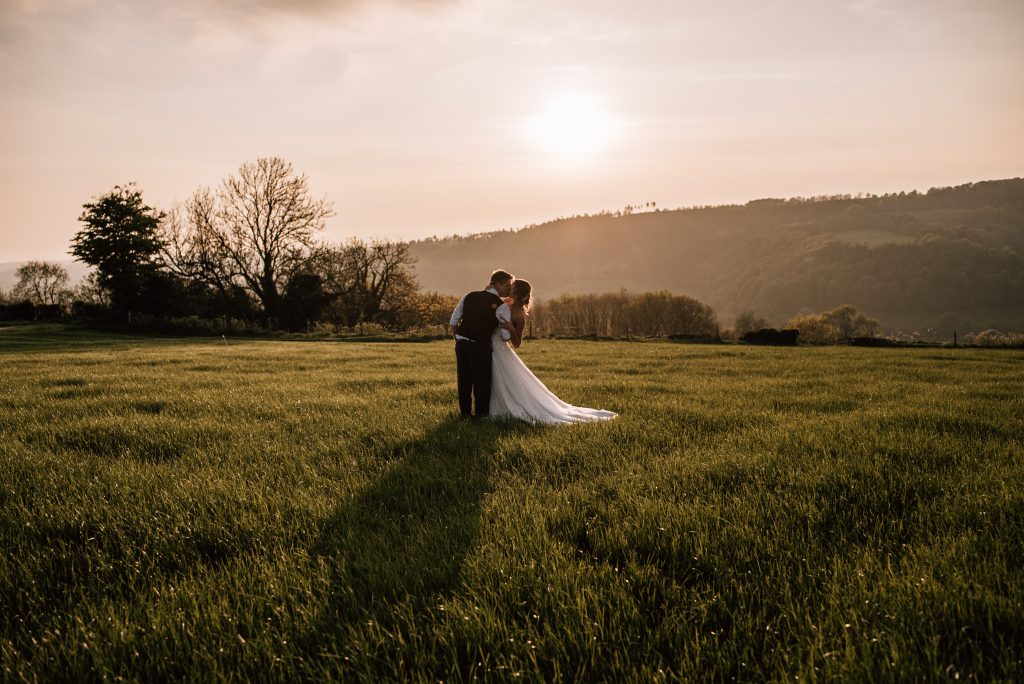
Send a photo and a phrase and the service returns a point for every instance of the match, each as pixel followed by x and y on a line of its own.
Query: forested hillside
pixel 951 257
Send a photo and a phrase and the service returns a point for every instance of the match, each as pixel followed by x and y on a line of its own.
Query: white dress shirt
pixel 503 313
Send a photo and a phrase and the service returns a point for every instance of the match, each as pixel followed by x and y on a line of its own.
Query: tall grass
pixel 190 509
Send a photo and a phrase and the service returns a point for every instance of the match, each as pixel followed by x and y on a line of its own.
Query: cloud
pixel 23 21
pixel 261 14
pixel 321 8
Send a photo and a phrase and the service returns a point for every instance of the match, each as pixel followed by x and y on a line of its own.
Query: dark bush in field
pixel 49 312
pixel 19 311
pixel 80 309
pixel 772 336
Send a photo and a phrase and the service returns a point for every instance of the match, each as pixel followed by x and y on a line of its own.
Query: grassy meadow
pixel 306 510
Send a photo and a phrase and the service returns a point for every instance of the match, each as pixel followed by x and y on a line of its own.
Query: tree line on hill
pixel 247 253
pixel 950 257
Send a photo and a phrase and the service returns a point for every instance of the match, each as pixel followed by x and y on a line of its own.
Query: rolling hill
pixel 948 258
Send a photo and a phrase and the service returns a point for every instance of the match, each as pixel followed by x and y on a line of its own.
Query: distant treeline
pixel 243 256
pixel 624 314
pixel 249 253
pixel 911 259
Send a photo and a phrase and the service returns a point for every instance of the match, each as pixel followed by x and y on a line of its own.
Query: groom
pixel 473 322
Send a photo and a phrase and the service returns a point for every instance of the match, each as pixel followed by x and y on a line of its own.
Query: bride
pixel 515 390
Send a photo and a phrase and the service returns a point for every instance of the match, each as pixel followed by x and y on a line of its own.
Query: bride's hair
pixel 522 293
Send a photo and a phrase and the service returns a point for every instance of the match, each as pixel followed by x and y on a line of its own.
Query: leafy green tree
pixel 120 239
pixel 303 301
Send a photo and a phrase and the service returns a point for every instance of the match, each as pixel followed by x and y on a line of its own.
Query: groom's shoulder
pixel 481 300
pixel 482 294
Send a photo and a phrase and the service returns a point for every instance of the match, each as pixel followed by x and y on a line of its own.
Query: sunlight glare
pixel 572 128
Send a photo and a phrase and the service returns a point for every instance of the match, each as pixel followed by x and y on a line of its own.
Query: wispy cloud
pixel 247 14
pixel 22 20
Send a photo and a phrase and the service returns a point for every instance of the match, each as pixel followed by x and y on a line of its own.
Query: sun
pixel 572 128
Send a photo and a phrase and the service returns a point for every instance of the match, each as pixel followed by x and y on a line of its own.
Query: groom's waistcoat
pixel 479 317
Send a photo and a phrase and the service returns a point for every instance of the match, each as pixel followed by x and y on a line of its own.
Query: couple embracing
pixel 487 325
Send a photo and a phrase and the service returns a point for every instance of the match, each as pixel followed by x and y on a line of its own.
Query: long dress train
pixel 516 392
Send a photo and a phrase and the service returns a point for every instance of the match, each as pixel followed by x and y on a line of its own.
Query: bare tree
pixel 382 270
pixel 367 281
pixel 192 246
pixel 336 266
pixel 748 321
pixel 176 249
pixel 652 314
pixel 850 322
pixel 41 283
pixel 256 230
pixel 90 291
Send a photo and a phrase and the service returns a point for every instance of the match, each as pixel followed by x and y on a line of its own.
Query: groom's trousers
pixel 473 368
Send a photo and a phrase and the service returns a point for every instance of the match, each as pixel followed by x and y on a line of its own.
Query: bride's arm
pixel 515 328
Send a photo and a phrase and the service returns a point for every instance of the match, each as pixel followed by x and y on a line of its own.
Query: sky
pixel 438 117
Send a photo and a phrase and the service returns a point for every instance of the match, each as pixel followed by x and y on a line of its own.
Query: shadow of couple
pixel 404 538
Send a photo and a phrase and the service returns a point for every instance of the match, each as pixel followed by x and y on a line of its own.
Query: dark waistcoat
pixel 478 317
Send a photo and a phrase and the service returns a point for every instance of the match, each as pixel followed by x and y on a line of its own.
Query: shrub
pixel 840 324
pixel 80 309
pixel 18 311
pixel 995 338
pixel 748 321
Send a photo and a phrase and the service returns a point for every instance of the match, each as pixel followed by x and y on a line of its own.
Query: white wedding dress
pixel 516 392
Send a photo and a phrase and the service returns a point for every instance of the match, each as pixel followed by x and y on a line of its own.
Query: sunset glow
pixel 432 117
pixel 573 128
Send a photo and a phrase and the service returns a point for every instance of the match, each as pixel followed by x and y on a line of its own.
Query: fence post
pixel 954 338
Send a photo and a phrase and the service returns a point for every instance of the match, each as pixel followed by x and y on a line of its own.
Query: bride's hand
pixel 507 325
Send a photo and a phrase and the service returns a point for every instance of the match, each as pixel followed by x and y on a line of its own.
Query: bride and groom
pixel 487 325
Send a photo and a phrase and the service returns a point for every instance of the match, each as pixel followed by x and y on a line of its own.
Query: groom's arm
pixel 456 318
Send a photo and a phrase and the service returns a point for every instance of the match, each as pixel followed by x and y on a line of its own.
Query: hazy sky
pixel 433 117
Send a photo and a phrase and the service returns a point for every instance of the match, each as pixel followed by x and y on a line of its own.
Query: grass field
pixel 202 509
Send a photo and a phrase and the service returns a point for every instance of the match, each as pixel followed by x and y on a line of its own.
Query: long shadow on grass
pixel 405 538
